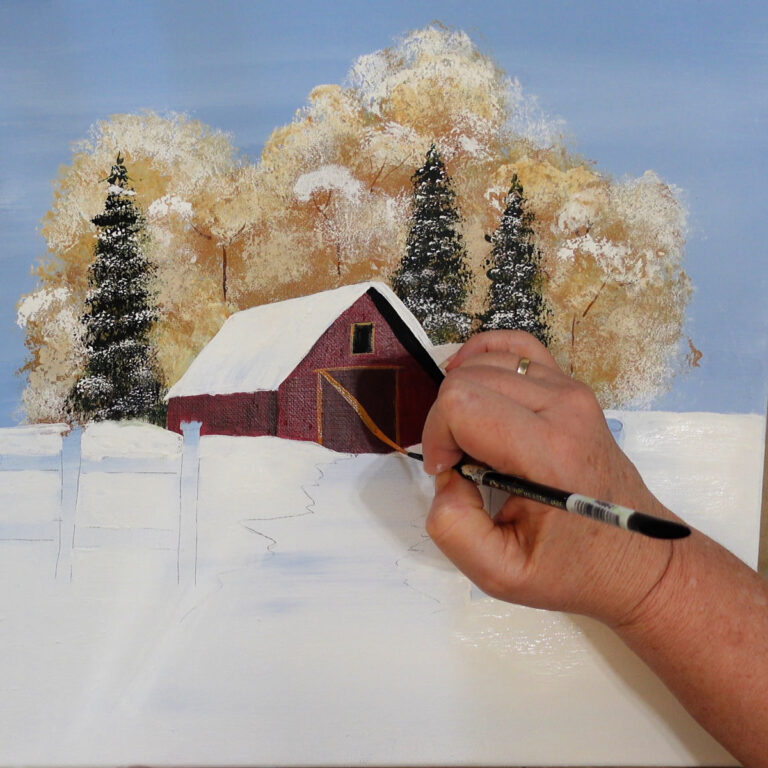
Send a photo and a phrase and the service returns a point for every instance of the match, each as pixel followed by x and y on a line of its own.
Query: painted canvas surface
pixel 229 227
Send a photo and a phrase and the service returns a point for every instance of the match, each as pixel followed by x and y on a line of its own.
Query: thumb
pixel 463 530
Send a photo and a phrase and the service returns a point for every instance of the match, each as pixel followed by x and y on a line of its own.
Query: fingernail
pixel 442 479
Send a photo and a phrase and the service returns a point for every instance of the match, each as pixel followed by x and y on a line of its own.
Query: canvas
pixel 219 227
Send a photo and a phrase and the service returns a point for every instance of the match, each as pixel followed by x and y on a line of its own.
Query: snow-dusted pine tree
pixel 515 297
pixel 433 278
pixel 121 379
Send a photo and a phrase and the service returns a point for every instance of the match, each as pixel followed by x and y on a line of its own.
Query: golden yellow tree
pixel 174 163
pixel 334 185
pixel 328 204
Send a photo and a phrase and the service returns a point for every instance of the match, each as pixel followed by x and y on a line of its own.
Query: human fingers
pixel 471 418
pixel 463 531
pixel 545 558
pixel 536 391
pixel 518 342
pixel 511 361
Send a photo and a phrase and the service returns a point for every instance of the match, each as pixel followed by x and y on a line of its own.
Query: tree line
pixel 121 378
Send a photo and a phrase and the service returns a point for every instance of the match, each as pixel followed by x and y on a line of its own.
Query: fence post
pixel 70 487
pixel 190 469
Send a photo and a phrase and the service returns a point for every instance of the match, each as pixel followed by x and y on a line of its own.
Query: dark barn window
pixel 362 338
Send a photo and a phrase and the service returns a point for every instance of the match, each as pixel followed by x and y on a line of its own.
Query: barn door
pixel 339 427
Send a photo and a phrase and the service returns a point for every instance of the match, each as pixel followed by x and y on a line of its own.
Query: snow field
pixel 319 606
pixel 706 467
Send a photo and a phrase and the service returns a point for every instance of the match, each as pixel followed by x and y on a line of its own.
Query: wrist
pixel 661 604
pixel 642 573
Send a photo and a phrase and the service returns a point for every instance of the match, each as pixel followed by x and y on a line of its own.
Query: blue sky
pixel 677 87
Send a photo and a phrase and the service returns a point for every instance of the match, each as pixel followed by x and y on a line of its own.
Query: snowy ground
pixel 322 626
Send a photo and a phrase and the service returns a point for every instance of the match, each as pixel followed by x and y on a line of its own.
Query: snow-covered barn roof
pixel 258 348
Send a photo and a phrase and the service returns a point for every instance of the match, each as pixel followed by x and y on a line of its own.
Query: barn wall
pixel 298 395
pixel 238 414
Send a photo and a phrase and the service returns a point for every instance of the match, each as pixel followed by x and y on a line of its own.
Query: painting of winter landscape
pixel 239 241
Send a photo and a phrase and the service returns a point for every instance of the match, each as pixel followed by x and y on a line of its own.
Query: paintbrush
pixel 604 511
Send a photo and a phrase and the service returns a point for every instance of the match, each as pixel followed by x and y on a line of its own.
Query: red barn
pixel 271 370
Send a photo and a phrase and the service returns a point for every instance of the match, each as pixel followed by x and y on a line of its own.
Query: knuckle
pixel 435 525
pixel 507 340
pixel 582 399
pixel 490 572
pixel 453 391
pixel 516 339
pixel 441 520
pixel 432 525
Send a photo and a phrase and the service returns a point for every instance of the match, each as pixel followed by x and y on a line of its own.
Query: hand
pixel 549 428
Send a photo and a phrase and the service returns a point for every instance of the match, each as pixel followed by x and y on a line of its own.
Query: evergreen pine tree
pixel 433 278
pixel 121 378
pixel 515 297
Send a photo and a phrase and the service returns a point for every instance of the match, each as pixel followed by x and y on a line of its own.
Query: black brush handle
pixel 602 511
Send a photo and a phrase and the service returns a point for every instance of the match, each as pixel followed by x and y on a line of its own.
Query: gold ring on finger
pixel 522 366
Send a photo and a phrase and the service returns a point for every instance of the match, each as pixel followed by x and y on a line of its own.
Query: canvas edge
pixel 762 558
